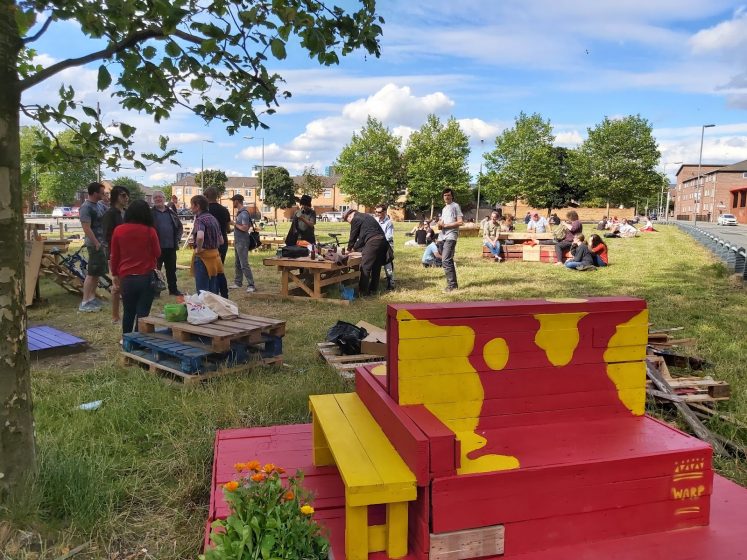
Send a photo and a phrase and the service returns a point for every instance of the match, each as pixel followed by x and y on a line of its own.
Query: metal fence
pixel 733 257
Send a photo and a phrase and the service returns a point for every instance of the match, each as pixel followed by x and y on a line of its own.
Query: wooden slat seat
pixel 346 435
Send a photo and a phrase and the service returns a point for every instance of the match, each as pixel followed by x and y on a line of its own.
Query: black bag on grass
pixel 347 337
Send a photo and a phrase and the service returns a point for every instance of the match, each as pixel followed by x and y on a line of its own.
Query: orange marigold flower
pixel 258 477
pixel 279 470
pixel 307 509
pixel 231 486
pixel 289 495
pixel 269 467
pixel 252 465
pixel 239 467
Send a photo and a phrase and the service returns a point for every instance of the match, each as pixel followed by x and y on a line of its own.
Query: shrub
pixel 269 520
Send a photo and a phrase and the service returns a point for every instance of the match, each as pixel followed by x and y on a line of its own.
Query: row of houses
pixel 331 199
pixel 720 189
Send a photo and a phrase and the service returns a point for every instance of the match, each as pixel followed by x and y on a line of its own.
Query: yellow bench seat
pixel 346 435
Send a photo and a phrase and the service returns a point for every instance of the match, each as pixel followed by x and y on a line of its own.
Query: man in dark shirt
pixel 169 228
pixel 367 237
pixel 220 213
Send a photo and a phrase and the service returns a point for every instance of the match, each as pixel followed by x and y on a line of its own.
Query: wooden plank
pixel 405 436
pixel 468 544
pixel 34 249
pixel 688 415
pixel 443 445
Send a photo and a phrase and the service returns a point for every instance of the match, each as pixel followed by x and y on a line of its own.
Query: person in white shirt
pixel 387 226
pixel 451 220
pixel 537 224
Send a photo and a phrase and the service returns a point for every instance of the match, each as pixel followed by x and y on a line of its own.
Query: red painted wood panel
pixel 515 307
pixel 655 517
pixel 505 503
pixel 444 447
pixel 402 432
pixel 392 370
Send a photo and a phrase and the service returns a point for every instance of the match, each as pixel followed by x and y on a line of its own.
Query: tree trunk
pixel 16 418
pixel 516 205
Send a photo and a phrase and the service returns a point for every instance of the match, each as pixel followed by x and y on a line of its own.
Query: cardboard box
pixel 531 253
pixel 375 342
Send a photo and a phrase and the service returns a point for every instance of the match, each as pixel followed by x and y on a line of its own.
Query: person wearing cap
pixel 537 224
pixel 367 237
pixel 305 220
pixel 242 227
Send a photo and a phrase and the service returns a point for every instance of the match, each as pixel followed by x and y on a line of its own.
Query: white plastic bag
pixel 197 312
pixel 225 308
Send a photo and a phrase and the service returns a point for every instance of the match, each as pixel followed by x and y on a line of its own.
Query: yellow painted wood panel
pixel 396 530
pixel 356 533
pixel 391 467
pixel 376 538
pixel 351 459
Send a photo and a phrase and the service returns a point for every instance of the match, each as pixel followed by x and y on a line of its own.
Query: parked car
pixel 727 220
pixel 62 212
pixel 185 214
pixel 332 217
pixel 75 212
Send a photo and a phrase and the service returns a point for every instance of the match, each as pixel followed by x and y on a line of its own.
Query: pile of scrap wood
pixel 693 396
pixel 373 350
pixel 702 389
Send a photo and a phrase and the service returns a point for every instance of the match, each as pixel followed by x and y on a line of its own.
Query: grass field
pixel 132 478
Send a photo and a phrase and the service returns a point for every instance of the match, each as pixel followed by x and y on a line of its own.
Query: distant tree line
pixel 615 165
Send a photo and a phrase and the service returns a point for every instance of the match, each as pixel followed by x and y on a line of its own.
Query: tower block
pixel 505 429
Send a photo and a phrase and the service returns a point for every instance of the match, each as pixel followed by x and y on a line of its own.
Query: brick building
pixel 330 199
pixel 722 189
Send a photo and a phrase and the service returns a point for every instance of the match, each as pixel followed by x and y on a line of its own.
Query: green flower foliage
pixel 269 521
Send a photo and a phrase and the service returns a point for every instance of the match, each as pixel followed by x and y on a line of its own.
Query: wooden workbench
pixel 310 276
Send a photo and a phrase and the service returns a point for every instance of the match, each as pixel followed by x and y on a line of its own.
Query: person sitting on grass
pixel 490 232
pixel 583 259
pixel 432 255
pixel 420 232
pixel 599 250
pixel 627 230
pixel 648 226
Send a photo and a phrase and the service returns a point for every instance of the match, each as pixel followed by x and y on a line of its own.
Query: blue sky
pixel 678 63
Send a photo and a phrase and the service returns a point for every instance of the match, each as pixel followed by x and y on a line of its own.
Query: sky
pixel 680 64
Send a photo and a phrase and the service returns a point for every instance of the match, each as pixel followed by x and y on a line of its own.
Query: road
pixel 736 235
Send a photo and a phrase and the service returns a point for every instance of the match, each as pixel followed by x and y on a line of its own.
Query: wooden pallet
pixel 169 369
pixel 219 334
pixel 345 364
pixel 690 389
pixel 47 341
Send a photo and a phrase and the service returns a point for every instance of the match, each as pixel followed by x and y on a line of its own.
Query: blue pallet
pixel 192 359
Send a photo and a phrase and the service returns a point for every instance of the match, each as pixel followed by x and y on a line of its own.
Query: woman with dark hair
pixel 134 252
pixel 599 250
pixel 119 197
pixel 572 228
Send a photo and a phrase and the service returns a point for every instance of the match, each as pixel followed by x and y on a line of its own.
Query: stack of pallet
pixel 691 389
pixel 193 353
pixel 528 253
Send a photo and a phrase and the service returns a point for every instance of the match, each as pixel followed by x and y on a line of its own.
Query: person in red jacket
pixel 599 250
pixel 134 251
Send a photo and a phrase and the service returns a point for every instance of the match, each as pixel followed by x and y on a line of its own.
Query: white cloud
pixel 569 139
pixel 726 35
pixel 393 104
pixel 161 176
pixel 478 129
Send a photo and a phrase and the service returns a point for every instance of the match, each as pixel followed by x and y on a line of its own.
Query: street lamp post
pixel 699 203
pixel 479 182
pixel 202 165
pixel 665 209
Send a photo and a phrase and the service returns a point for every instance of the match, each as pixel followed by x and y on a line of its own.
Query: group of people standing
pixel 134 241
